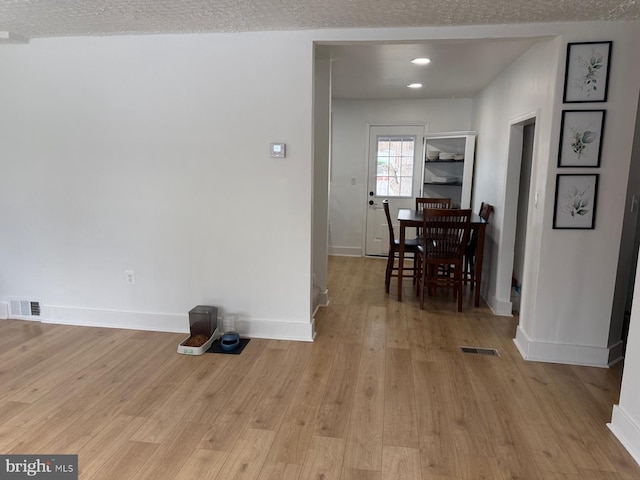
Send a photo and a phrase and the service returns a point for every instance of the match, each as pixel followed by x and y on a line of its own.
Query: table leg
pixel 401 260
pixel 478 263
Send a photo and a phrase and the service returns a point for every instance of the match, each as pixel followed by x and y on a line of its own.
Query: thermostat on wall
pixel 277 150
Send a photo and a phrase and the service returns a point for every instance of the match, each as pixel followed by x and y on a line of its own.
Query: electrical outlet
pixel 131 277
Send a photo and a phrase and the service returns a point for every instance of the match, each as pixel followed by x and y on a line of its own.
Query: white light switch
pixel 277 150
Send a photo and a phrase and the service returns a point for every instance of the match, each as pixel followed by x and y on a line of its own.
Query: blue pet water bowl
pixel 230 342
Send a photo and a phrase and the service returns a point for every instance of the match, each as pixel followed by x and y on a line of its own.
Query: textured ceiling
pixel 50 18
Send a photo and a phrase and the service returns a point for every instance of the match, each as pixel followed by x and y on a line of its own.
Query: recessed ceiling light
pixel 421 61
pixel 414 85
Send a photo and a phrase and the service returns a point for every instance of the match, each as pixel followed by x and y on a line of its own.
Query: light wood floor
pixel 383 393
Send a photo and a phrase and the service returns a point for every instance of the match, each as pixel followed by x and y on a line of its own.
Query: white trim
pixel 323 298
pixel 525 118
pixel 500 308
pixel 171 322
pixel 346 251
pixel 565 353
pixel 4 311
pixel 626 430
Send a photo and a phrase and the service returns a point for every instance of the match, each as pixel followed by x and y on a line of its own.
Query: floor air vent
pixel 492 352
pixel 25 308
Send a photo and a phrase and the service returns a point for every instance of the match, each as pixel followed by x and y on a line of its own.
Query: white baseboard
pixel 562 352
pixel 176 323
pixel 626 430
pixel 499 307
pixel 345 251
pixel 4 311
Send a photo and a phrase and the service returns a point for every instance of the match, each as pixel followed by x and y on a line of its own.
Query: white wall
pixel 625 421
pixel 569 275
pixel 151 153
pixel 525 89
pixel 350 137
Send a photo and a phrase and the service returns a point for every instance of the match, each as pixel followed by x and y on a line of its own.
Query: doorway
pixel 511 280
pixel 528 132
pixel 394 174
pixel 629 247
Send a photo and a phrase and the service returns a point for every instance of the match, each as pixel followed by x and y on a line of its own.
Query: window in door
pixel 395 158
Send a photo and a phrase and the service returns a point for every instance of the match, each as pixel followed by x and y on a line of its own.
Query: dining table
pixel 413 218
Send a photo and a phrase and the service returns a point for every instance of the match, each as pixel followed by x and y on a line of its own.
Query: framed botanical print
pixel 575 204
pixel 587 72
pixel 581 138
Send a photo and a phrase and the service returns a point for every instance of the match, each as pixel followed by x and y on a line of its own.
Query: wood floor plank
pixel 125 462
pixel 364 439
pixel 280 471
pixel 171 410
pixel 296 430
pixel 171 455
pixel 400 418
pixel 324 459
pixel 10 436
pixel 398 334
pixel 469 433
pixel 400 463
pixel 105 443
pixel 476 467
pixel 202 465
pixel 336 405
pixel 235 412
pixel 9 409
pixel 437 444
pixel 281 387
pixel 357 474
pixel 247 458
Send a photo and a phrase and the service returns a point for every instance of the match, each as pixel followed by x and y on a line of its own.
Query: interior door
pixel 395 174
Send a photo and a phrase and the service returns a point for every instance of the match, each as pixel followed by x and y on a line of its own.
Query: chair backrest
pixel 485 211
pixel 392 238
pixel 446 233
pixel 432 202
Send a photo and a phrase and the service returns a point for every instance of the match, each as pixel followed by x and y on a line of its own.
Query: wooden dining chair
pixel 410 246
pixel 430 202
pixel 469 271
pixel 446 233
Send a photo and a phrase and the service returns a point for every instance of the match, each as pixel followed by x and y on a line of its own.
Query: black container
pixel 203 320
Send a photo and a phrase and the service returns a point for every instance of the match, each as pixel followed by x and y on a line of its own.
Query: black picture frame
pixel 581 138
pixel 586 77
pixel 576 200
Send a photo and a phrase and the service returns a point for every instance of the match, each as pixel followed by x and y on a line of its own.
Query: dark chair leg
pixel 458 286
pixel 387 275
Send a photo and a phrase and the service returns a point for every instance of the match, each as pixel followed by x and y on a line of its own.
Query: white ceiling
pixel 459 69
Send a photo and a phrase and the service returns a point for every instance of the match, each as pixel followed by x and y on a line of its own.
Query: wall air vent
pixel 25 308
